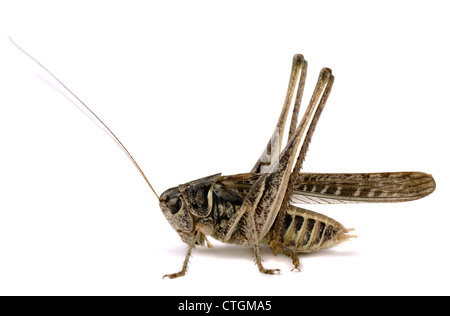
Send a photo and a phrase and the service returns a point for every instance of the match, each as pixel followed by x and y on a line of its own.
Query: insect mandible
pixel 255 208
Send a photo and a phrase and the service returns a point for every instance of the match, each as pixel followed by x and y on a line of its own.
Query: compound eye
pixel 175 205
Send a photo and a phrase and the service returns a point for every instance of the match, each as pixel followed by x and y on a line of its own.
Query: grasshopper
pixel 255 208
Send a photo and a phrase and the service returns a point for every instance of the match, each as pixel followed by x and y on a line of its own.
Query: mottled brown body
pixel 218 199
pixel 303 231
pixel 255 208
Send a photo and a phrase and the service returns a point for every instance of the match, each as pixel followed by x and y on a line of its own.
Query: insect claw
pixel 174 275
pixel 268 271
pixel 271 271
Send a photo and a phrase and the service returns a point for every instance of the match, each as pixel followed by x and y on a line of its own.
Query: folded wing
pixel 334 188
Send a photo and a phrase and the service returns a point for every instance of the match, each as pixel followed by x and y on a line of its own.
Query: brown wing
pixel 332 188
pixel 335 188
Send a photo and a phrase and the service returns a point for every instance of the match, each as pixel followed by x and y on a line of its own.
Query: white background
pixel 194 88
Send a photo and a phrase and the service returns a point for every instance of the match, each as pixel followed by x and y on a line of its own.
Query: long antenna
pixel 110 133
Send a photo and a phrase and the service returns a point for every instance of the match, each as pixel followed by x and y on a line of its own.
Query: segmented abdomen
pixel 307 231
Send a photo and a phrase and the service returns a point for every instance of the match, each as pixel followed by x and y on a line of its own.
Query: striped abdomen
pixel 307 231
